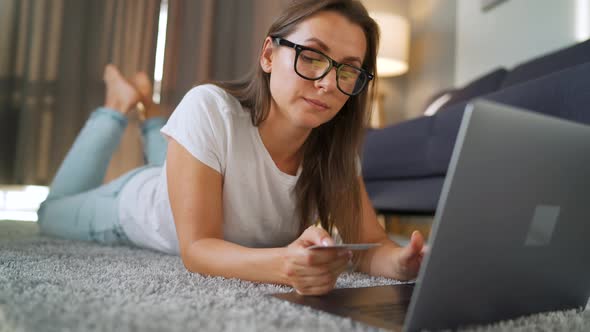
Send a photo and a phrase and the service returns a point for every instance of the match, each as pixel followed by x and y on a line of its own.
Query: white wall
pixel 432 52
pixel 513 32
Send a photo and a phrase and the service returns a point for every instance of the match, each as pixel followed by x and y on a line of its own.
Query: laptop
pixel 511 234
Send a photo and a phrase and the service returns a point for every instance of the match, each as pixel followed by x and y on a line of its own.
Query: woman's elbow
pixel 192 263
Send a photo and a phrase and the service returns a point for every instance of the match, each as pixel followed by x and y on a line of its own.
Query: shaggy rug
pixel 49 284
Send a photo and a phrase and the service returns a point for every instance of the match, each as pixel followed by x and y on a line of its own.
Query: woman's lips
pixel 317 104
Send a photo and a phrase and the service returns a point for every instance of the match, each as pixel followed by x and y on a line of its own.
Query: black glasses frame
pixel 333 64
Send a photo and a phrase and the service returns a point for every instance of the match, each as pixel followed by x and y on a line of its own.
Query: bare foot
pixel 143 84
pixel 120 94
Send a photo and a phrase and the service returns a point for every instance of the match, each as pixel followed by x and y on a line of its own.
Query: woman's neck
pixel 283 141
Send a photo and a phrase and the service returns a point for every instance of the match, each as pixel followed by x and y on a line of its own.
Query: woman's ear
pixel 266 56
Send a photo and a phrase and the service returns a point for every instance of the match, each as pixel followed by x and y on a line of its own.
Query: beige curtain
pixel 52 56
pixel 212 40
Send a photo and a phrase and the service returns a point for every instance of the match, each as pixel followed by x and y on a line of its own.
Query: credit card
pixel 349 246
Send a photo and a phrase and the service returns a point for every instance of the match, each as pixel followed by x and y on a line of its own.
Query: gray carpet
pixel 57 285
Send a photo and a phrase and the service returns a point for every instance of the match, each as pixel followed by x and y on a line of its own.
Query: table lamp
pixel 392 56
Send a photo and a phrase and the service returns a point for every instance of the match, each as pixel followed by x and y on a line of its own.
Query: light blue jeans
pixel 79 206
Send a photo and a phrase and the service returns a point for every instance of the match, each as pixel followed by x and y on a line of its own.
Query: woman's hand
pixel 407 260
pixel 314 272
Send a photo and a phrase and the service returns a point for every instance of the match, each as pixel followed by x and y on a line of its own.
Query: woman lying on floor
pixel 249 167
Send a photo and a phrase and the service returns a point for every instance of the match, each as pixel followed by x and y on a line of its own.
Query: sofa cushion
pixel 559 60
pixel 564 94
pixel 422 147
pixel 482 85
pixel 397 151
pixel 409 196
pixel 408 139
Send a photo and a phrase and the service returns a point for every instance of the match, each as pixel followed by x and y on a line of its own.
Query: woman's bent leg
pixel 86 163
pixel 87 216
pixel 154 143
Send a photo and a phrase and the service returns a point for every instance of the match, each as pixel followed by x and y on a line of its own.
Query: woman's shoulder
pixel 211 105
pixel 212 94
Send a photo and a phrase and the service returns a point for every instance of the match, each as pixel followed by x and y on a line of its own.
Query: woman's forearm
pixel 217 257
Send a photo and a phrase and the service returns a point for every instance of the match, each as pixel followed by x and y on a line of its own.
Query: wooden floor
pixel 404 226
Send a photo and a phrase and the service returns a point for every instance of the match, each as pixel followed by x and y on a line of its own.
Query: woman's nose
pixel 328 82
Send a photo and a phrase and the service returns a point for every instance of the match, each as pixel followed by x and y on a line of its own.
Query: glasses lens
pixel 312 65
pixel 351 80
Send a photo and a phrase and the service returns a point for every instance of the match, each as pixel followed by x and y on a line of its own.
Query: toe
pixel 111 72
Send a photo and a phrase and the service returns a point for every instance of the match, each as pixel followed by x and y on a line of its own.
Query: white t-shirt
pixel 259 205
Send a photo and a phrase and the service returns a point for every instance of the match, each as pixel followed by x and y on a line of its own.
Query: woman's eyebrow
pixel 326 49
pixel 322 45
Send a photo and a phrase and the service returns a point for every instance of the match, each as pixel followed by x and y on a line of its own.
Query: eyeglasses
pixel 314 65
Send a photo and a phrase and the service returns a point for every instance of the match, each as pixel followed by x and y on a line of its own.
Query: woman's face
pixel 308 104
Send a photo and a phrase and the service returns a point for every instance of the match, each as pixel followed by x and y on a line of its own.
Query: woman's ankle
pixel 120 94
pixel 112 113
pixel 112 105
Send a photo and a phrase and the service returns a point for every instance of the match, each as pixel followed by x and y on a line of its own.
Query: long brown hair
pixel 327 188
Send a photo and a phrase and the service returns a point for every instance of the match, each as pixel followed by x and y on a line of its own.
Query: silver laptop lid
pixel 511 234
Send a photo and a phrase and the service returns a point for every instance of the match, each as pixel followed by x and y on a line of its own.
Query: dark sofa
pixel 404 165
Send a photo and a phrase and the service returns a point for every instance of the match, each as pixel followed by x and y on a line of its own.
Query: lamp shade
pixel 392 57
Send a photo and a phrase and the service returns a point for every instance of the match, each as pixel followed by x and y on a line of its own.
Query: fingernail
pixel 325 242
